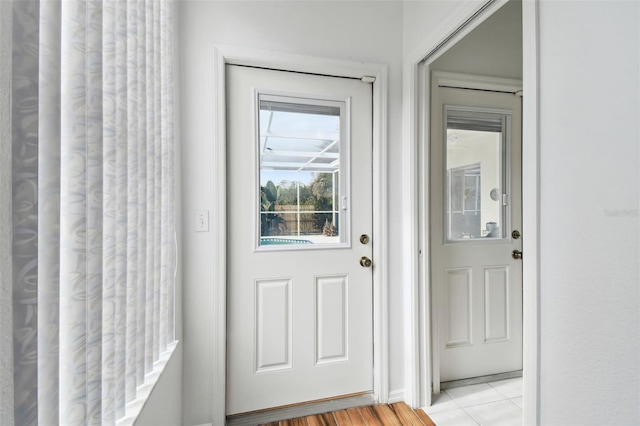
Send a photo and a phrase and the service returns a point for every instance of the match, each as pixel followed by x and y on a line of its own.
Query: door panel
pixel 273 325
pixel 475 203
pixel 299 304
pixel 496 306
pixel 332 311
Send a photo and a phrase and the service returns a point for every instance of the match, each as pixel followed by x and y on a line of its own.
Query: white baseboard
pixel 396 396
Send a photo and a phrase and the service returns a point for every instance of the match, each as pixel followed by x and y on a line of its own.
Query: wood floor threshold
pixel 301 410
pixel 300 404
pixel 398 414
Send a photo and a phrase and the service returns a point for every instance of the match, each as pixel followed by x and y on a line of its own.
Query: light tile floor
pixel 487 404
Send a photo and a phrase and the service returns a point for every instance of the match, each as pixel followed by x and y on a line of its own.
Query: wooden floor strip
pixel 406 415
pixel 425 419
pixel 349 417
pixel 386 415
pixel 370 417
pixel 398 414
pixel 325 419
pixel 300 421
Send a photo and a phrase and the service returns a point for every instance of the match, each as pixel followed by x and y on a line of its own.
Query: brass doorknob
pixel 365 262
pixel 516 254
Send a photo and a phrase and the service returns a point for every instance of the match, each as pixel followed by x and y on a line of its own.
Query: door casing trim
pixel 418 352
pixel 225 54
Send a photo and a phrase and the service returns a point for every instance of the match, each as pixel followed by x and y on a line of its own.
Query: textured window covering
pixel 87 290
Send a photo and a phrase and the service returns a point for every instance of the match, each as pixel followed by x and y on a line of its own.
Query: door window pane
pixel 300 167
pixel 475 175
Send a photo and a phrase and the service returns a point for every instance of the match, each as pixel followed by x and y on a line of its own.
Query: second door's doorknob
pixel 516 254
pixel 365 262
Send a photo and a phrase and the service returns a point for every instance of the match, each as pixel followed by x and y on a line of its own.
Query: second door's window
pixel 476 173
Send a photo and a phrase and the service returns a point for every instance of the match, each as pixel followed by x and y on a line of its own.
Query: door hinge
pixel 368 79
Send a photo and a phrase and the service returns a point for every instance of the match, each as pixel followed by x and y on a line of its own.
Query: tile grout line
pixel 472 418
pixel 501 393
pixel 511 401
pixel 486 403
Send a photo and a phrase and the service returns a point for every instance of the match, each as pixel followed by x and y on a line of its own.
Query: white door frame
pixel 223 55
pixel 416 95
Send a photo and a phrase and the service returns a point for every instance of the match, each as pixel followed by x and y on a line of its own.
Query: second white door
pixel 476 214
pixel 299 321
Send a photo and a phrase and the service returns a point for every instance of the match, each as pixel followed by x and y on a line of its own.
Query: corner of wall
pixel 164 405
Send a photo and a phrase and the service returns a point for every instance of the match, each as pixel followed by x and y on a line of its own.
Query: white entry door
pixel 299 322
pixel 475 223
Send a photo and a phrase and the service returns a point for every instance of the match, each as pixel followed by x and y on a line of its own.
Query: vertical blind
pixel 88 287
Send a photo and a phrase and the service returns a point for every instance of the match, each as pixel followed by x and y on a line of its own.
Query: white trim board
pixel 416 92
pixel 530 212
pixel 396 396
pixel 223 55
pixel 476 82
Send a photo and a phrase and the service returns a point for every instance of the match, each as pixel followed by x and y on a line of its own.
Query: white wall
pixel 589 199
pixel 589 257
pixel 164 405
pixel 493 49
pixel 359 31
pixel 425 19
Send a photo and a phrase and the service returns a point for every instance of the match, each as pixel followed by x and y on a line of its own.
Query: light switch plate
pixel 201 221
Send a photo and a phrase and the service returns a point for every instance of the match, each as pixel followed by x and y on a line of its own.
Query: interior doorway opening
pixel 492 52
pixel 526 42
